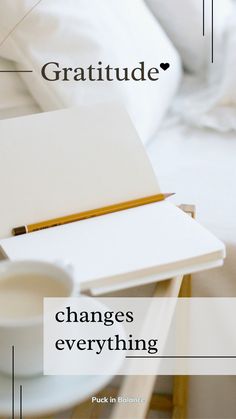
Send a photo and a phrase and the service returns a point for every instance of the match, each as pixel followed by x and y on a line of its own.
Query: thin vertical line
pixel 212 31
pixel 13 380
pixel 203 17
pixel 21 402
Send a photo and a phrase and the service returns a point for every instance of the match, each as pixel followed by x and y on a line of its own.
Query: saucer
pixel 45 395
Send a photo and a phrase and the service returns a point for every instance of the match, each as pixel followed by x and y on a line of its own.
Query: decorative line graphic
pixel 203 17
pixel 212 25
pixel 13 388
pixel 21 402
pixel 182 356
pixel 212 31
pixel 13 380
pixel 16 71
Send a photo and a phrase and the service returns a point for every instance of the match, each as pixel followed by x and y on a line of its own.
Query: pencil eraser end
pixel 19 230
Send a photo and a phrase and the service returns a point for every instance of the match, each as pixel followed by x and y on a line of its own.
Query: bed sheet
pixel 200 166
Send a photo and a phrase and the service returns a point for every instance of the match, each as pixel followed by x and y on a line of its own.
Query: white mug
pixel 26 334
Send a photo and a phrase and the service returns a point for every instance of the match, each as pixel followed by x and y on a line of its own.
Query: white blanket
pixel 199 165
pixel 209 100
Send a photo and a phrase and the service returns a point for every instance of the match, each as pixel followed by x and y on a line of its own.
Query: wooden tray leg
pixel 143 384
pixel 180 386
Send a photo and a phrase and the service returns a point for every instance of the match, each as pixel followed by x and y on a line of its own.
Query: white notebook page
pixel 151 239
pixel 59 163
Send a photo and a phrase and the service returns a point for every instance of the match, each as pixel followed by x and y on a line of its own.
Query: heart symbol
pixel 164 66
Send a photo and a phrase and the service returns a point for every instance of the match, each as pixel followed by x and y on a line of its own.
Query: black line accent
pixel 16 71
pixel 212 31
pixel 203 17
pixel 21 402
pixel 13 380
pixel 183 356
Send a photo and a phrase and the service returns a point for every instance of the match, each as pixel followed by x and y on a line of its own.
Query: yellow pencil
pixel 89 214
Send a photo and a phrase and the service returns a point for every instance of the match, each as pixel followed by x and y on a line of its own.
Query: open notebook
pixel 67 161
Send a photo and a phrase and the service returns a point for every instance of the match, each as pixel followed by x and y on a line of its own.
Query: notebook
pixel 63 162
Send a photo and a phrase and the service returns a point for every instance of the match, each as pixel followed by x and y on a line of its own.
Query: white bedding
pixel 199 165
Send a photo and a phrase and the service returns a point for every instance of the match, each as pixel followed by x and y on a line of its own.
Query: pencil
pixel 89 214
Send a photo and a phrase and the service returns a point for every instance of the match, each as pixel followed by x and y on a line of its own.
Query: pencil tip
pixel 169 194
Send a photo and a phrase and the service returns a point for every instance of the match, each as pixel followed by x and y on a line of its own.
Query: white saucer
pixel 43 395
pixel 48 394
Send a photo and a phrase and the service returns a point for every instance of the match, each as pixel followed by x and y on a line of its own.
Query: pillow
pixel 15 100
pixel 80 33
pixel 183 22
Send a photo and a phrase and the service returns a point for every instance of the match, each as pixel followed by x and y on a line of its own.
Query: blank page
pixel 153 238
pixel 59 163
